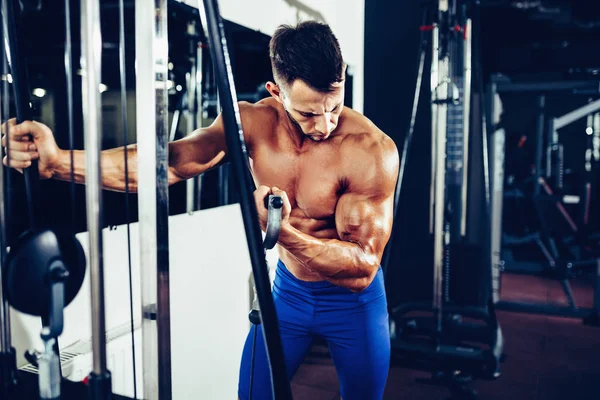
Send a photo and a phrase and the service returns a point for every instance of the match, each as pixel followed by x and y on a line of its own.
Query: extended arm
pixel 188 157
pixel 364 217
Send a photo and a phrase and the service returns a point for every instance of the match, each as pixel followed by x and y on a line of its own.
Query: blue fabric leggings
pixel 355 325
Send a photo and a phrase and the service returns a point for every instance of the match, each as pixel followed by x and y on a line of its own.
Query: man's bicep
pixel 365 220
pixel 206 148
pixel 365 211
pixel 198 152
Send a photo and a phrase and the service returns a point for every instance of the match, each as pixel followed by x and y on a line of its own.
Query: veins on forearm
pixel 332 258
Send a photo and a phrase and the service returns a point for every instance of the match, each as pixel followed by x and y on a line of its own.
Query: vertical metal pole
pixel 236 147
pixel 440 180
pixel 5 330
pixel 199 108
pixel 151 102
pixel 439 193
pixel 8 360
pixel 497 155
pixel 485 155
pixel 552 139
pixel 589 131
pixel 200 85
pixel 5 340
pixel 191 118
pixel 91 50
pixel 539 149
pixel 596 138
pixel 466 125
pixel 90 62
pixel 8 365
pixel 435 48
pixel 223 175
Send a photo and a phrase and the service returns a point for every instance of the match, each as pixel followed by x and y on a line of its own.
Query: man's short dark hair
pixel 308 51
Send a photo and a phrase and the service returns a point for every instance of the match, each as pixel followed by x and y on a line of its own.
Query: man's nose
pixel 324 125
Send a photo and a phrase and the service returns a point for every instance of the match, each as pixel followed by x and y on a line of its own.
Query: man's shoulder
pixel 369 157
pixel 257 118
pixel 263 109
pixel 360 134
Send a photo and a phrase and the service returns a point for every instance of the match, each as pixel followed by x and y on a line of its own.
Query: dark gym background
pixel 516 43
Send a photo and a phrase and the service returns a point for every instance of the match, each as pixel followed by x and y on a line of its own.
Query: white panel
pixel 209 302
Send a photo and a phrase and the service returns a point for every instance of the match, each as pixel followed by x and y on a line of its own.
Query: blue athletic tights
pixel 355 325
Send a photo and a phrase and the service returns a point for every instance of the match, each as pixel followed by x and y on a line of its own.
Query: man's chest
pixel 311 180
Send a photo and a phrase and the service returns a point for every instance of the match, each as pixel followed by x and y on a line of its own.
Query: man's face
pixel 315 113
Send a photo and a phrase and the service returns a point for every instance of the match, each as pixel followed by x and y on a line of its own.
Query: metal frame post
pixel 435 50
pixel 467 54
pixel 91 50
pixel 152 133
pixel 441 110
pixel 497 191
pixel 215 32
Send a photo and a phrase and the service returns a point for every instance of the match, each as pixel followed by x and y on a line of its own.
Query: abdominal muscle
pixel 321 229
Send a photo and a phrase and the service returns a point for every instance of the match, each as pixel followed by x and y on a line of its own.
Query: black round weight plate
pixel 27 284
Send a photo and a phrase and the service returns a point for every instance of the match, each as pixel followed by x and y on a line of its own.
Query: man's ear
pixel 275 91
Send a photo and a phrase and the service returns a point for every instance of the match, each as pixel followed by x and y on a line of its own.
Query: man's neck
pixel 294 131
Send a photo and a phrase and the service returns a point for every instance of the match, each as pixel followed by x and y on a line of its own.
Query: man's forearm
pixel 342 263
pixel 112 168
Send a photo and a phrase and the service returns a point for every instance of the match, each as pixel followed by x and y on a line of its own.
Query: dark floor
pixel 547 358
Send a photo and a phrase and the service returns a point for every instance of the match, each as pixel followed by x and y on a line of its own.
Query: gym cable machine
pixel 44 270
pixel 454 341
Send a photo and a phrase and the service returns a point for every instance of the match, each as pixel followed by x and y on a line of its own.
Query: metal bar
pixel 191 126
pixel 554 249
pixel 200 85
pixel 151 102
pixel 213 25
pixel 581 87
pixel 440 189
pixel 568 292
pixel 224 185
pixel 91 49
pixel 596 138
pixel 435 47
pixel 124 108
pixel 555 164
pixel 199 112
pixel 545 252
pixel 68 60
pixel 174 124
pixel 5 340
pixel 577 114
pixel 539 149
pixel 586 204
pixel 466 124
pixel 542 182
pixel 5 329
pixel 497 191
pixel 485 156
